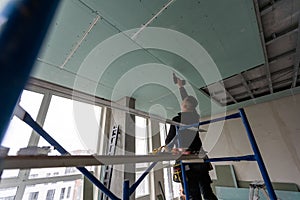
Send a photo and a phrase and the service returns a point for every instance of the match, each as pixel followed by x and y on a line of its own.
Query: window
pixel 171 188
pixel 34 175
pixel 70 170
pixel 31 102
pixel 62 193
pixel 61 127
pixel 8 193
pixel 71 119
pixel 50 194
pixel 7 198
pixel 141 148
pixel 33 195
pixel 69 192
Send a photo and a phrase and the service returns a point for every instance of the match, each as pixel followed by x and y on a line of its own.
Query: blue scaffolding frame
pixel 255 157
pixel 127 190
pixel 20 42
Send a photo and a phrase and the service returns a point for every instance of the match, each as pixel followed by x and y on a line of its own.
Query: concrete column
pixel 125 146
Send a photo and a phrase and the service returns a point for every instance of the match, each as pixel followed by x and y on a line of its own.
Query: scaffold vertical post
pixel 185 183
pixel 258 156
pixel 126 193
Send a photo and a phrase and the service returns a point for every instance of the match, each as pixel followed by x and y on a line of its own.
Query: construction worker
pixel 197 174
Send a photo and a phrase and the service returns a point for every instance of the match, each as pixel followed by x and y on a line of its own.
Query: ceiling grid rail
pixel 283 55
pixel 297 58
pixel 230 96
pixel 261 31
pixel 282 34
pixel 244 82
pixel 269 8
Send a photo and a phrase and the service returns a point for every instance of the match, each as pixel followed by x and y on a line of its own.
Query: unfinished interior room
pixel 150 99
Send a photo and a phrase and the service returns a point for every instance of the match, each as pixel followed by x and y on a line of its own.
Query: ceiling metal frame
pixel 280 70
pixel 297 58
pixel 262 37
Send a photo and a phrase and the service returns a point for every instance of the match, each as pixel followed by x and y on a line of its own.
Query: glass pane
pixel 18 133
pixel 141 148
pixel 143 188
pixel 62 193
pixel 8 193
pixel 54 172
pixel 75 126
pixel 171 188
pixel 71 190
pixel 141 139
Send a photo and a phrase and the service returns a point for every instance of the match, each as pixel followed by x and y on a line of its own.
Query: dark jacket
pixel 187 138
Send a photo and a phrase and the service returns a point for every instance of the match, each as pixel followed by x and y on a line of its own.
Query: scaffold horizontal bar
pixel 238 158
pixel 232 116
pixel 43 161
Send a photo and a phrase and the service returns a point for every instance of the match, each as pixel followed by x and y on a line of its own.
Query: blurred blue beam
pixel 20 40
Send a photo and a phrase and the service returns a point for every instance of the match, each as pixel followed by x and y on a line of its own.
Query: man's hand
pixel 180 82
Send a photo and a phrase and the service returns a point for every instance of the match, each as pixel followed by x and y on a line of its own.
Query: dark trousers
pixel 199 181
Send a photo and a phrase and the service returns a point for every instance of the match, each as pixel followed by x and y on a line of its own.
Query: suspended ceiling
pixel 232 53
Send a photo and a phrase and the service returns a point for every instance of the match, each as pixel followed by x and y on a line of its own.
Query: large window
pixel 141 148
pixel 171 188
pixel 8 193
pixel 72 119
pixel 73 124
pixel 64 122
pixel 50 194
pixel 18 133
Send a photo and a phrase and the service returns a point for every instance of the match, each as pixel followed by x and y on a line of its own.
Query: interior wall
pixel 276 127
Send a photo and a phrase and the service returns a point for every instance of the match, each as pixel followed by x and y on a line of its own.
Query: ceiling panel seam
pixel 151 20
pixel 95 20
pixel 120 31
